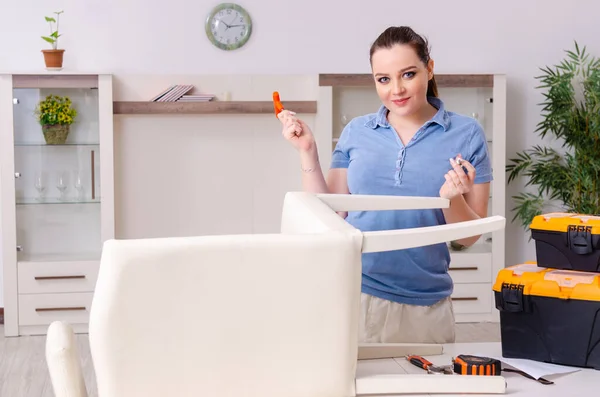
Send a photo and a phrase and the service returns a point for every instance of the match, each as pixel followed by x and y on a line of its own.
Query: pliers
pixel 429 367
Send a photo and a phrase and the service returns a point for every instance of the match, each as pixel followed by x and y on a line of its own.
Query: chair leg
pixel 63 360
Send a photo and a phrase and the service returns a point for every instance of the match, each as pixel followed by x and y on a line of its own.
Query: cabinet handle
pixel 58 309
pixel 17 175
pixel 93 177
pixel 464 268
pixel 16 101
pixel 466 298
pixel 58 277
pixel 19 248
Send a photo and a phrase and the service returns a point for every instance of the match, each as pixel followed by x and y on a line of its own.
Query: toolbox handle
pixel 580 239
pixel 512 299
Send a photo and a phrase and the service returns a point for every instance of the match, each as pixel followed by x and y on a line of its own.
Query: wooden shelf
pixel 212 107
pixel 55 81
pixel 442 80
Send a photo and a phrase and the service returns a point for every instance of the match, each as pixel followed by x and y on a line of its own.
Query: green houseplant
pixel 53 57
pixel 571 114
pixel 55 114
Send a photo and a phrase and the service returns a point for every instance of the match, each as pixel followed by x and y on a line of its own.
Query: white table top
pixel 585 382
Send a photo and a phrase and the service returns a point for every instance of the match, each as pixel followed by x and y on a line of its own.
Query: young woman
pixel 407 148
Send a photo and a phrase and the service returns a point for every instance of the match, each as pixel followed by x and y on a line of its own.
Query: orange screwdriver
pixel 277 103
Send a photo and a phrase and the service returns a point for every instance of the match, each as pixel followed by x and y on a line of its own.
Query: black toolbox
pixel 567 241
pixel 549 315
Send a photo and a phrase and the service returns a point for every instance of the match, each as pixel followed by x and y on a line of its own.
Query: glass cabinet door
pixel 57 180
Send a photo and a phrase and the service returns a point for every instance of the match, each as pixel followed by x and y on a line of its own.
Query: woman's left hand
pixel 457 181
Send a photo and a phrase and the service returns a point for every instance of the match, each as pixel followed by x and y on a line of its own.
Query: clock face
pixel 228 26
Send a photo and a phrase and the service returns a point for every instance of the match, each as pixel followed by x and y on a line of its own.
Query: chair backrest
pixel 238 315
pixel 306 213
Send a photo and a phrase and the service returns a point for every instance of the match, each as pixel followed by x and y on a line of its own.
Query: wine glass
pixel 61 185
pixel 39 186
pixel 79 186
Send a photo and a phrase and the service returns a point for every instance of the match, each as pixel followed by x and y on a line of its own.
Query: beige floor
pixel 23 371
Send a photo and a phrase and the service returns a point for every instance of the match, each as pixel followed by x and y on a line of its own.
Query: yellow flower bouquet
pixel 55 114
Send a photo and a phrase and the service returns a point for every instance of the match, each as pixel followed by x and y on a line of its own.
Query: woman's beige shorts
pixel 383 321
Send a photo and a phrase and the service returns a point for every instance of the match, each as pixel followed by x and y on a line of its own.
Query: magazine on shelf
pixel 179 93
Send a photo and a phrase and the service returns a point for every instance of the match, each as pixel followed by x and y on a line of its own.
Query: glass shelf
pixel 40 144
pixel 51 200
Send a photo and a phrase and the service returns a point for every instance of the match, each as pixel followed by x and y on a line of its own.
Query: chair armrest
pixel 62 358
pixel 389 240
pixel 367 202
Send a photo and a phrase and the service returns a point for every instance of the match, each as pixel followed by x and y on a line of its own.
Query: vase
pixel 55 134
pixel 53 59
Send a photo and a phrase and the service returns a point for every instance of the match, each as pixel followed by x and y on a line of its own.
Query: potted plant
pixel 55 114
pixel 571 114
pixel 54 57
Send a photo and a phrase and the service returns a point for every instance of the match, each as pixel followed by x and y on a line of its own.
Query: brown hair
pixel 404 35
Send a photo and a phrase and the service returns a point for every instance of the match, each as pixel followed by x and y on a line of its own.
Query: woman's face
pixel 401 79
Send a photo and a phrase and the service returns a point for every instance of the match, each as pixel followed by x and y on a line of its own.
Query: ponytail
pixel 432 90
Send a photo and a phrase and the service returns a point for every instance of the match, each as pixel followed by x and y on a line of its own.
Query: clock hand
pixel 235 26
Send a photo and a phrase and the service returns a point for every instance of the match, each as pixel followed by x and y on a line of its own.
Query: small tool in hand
pixel 458 160
pixel 277 103
pixel 278 106
pixel 428 366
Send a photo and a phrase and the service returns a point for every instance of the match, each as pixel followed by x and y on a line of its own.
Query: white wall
pixel 129 37
pixel 205 174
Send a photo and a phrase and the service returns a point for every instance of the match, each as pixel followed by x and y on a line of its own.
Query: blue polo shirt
pixel 379 164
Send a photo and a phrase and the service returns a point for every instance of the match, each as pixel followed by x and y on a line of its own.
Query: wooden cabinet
pixel 57 195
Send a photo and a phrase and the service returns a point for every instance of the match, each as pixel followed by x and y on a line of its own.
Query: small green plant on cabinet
pixel 54 35
pixel 54 57
pixel 571 114
pixel 55 114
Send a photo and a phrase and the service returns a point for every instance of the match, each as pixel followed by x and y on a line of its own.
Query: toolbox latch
pixel 512 298
pixel 580 239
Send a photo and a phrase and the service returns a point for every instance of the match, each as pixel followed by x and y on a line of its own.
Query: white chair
pixel 269 315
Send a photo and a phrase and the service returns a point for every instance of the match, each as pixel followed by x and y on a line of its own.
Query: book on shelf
pixel 196 98
pixel 179 93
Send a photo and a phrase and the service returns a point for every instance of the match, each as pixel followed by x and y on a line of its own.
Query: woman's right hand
pixel 296 131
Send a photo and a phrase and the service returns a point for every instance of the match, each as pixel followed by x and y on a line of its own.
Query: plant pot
pixel 56 134
pixel 53 59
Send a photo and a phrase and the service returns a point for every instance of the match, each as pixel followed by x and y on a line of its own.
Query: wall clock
pixel 228 26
